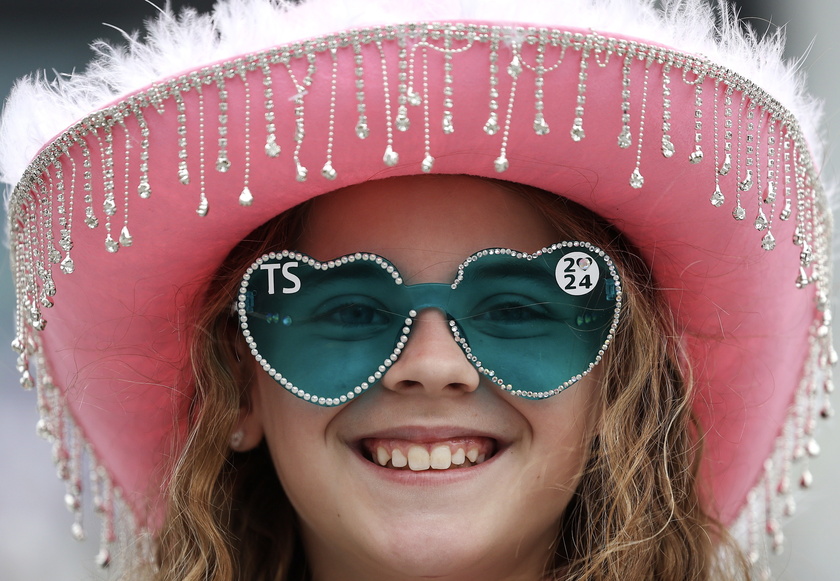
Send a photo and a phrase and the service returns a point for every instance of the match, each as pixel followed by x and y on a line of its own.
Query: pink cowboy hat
pixel 135 178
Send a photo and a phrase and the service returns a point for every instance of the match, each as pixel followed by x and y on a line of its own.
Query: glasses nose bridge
pixel 431 295
pixel 427 358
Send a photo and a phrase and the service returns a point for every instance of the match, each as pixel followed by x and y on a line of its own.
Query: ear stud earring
pixel 236 439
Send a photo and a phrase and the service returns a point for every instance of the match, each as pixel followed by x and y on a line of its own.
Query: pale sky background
pixel 35 541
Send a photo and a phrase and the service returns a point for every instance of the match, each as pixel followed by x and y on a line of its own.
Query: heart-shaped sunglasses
pixel 534 324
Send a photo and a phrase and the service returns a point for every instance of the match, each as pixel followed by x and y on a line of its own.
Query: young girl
pixel 561 355
pixel 365 513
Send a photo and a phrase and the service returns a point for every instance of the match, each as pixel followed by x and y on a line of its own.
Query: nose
pixel 431 361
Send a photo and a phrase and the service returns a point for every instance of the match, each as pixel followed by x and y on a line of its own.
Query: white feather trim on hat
pixel 39 109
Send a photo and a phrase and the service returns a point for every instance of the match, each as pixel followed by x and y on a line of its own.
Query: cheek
pixel 563 429
pixel 295 434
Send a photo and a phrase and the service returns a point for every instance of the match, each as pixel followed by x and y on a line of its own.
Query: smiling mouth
pixel 452 454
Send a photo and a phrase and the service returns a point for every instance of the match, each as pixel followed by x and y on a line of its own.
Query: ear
pixel 248 431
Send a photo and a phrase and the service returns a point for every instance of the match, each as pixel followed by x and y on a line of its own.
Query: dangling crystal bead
pixel 67 265
pixel 727 165
pixel 26 381
pixel 541 126
pixel 448 125
pixel 784 485
pixel 770 197
pixel 203 207
pixel 246 198
pixel 739 213
pixel 761 221
pixel 54 256
pixel 806 254
pixel 414 98
pixel 72 502
pixel 111 245
pixel 222 164
pixel 144 190
pixel 492 125
pixel 668 148
pixel 37 322
pixel 717 198
pixel 747 183
pixel 91 220
pixel 17 345
pixel 798 236
pixel 35 317
pixel 62 468
pixel 125 237
pixel 183 173
pixel 109 207
pixel 103 558
pixel 577 130
pixel 427 164
pixel 790 506
pixel 501 164
pixel 813 448
pixel 78 531
pixel 42 429
pixel 624 138
pixel 637 180
pixel 514 68
pixel 98 504
pixel 403 122
pixel 807 479
pixel 778 543
pixel 362 130
pixel 696 156
pixel 391 157
pixel 65 242
pixel 328 171
pixel 802 280
pixel 301 173
pixel 785 214
pixel 768 242
pixel 272 149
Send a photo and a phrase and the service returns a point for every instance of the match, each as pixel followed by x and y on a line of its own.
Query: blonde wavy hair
pixel 636 514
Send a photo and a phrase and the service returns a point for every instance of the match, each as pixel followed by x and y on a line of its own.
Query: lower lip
pixel 428 477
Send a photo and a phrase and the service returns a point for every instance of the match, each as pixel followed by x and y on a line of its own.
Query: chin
pixel 459 545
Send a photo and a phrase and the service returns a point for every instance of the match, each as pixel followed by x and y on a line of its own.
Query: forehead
pixel 425 225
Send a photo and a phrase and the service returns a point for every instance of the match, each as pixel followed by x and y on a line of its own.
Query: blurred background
pixel 35 540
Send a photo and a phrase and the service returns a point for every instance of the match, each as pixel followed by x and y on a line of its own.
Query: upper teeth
pixel 438 457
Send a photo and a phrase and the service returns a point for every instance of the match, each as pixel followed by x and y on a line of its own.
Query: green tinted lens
pixel 537 325
pixel 533 324
pixel 326 333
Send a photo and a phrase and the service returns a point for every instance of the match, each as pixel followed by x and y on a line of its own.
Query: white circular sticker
pixel 577 273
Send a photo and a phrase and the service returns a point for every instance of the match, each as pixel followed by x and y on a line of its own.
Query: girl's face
pixel 361 520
